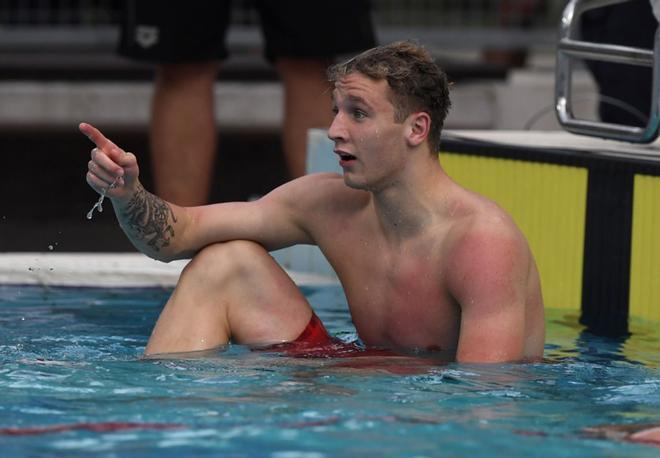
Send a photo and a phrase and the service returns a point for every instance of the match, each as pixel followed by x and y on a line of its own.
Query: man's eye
pixel 359 114
pixel 335 110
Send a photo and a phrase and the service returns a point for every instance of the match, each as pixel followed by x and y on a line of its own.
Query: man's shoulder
pixel 487 232
pixel 494 221
pixel 325 186
pixel 320 179
pixel 318 192
pixel 488 247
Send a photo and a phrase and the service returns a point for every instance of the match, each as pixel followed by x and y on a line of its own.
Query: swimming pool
pixel 73 383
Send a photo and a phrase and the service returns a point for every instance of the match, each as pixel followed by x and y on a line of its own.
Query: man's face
pixel 369 143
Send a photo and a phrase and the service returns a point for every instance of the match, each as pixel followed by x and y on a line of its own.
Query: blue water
pixel 70 361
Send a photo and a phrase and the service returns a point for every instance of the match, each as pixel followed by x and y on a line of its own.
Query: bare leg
pixel 230 291
pixel 307 104
pixel 183 137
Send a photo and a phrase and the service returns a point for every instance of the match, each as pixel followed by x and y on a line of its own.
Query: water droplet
pixel 99 203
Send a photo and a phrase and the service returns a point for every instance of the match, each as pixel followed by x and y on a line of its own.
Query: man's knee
pixel 227 260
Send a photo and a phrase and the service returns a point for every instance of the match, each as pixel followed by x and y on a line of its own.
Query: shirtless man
pixel 425 264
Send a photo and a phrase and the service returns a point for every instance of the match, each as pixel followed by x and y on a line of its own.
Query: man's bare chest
pixel 399 299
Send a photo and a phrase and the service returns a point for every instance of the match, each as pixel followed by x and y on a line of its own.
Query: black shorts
pixel 171 31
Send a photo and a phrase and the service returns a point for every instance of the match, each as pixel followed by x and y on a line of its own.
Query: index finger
pixel 96 136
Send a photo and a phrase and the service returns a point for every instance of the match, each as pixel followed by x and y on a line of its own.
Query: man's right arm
pixel 151 224
pixel 165 231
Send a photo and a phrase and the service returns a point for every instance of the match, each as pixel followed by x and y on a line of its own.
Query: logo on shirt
pixel 146 35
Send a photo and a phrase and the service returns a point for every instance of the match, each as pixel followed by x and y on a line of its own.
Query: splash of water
pixel 99 203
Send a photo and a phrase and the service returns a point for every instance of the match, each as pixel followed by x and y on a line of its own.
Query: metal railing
pixel 570 48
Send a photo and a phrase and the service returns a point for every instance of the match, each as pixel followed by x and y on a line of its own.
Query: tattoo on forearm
pixel 150 219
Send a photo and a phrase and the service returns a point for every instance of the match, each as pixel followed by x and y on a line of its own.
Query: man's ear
pixel 419 125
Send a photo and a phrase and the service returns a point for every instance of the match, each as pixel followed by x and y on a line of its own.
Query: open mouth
pixel 346 157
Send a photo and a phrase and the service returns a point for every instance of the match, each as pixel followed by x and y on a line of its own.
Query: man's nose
pixel 336 131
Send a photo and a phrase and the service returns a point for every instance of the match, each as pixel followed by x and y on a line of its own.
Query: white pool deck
pixel 112 270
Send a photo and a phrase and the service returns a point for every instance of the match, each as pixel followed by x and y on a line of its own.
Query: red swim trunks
pixel 315 342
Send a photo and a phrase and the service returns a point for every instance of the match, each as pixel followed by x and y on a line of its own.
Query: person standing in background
pixel 186 42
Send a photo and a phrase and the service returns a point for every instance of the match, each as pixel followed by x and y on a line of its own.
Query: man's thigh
pixel 231 292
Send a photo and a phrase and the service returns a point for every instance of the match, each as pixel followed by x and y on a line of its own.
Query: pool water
pixel 72 383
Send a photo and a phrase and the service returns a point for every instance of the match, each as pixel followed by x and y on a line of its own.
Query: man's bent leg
pixel 230 291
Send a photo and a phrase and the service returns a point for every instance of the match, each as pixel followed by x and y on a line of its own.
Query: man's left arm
pixel 488 278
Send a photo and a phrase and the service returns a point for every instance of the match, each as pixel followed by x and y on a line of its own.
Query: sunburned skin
pixel 396 312
pixel 416 233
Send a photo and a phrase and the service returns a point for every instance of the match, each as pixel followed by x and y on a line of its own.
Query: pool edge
pixel 106 270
